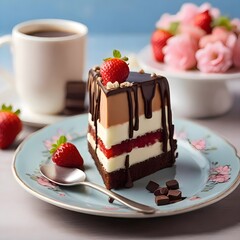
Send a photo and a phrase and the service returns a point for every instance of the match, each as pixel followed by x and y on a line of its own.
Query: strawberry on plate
pixel 10 126
pixel 114 69
pixel 158 41
pixel 65 154
pixel 204 21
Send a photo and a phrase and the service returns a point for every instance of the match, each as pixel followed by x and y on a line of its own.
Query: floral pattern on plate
pixel 215 161
pixel 36 176
pixel 218 173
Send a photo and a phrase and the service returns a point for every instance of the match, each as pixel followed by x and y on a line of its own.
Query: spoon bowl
pixel 62 175
pixel 73 176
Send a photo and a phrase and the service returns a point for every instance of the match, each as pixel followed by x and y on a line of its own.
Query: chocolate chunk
pixel 152 186
pixel 174 194
pixel 110 200
pixel 172 184
pixel 161 200
pixel 75 97
pixel 161 191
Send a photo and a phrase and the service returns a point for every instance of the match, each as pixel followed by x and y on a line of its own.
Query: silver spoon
pixel 74 176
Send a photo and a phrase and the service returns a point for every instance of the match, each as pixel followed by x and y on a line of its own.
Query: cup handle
pixel 6 39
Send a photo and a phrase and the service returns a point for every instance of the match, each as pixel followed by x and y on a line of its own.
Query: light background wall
pixel 101 16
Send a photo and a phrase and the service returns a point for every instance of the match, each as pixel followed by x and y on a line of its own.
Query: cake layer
pixel 116 134
pixel 128 145
pixel 137 155
pixel 114 108
pixel 124 176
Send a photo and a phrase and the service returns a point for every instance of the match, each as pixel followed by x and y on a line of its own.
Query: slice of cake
pixel 130 131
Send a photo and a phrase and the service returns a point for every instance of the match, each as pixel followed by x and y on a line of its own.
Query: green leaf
pixel 17 112
pixel 62 139
pixel 174 27
pixel 223 21
pixel 124 58
pixel 105 59
pixel 116 53
pixel 9 108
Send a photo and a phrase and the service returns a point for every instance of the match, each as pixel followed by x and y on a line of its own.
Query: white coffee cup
pixel 47 53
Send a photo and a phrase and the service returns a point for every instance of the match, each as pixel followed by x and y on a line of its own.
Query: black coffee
pixel 50 33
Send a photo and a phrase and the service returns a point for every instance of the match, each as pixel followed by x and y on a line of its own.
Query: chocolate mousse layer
pixel 110 113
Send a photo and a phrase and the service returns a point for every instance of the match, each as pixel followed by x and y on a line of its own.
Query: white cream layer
pixel 137 155
pixel 118 133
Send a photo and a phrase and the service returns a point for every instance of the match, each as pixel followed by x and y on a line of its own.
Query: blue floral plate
pixel 208 169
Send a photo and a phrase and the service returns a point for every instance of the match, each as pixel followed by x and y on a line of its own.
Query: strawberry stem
pixel 62 139
pixel 116 54
pixel 9 108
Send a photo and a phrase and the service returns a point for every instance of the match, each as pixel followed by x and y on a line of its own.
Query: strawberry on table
pixel 65 154
pixel 10 125
pixel 158 41
pixel 114 69
pixel 204 21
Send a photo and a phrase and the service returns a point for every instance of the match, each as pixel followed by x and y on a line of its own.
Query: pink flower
pixel 219 34
pixel 192 31
pixel 214 58
pixel 236 24
pixel 48 143
pixel 186 15
pixel 180 135
pixel 219 178
pixel 194 198
pixel 214 12
pixel 224 170
pixel 165 21
pixel 180 52
pixel 189 11
pixel 220 174
pixel 44 182
pixel 199 144
pixel 236 53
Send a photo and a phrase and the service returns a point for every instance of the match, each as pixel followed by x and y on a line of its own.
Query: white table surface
pixel 23 216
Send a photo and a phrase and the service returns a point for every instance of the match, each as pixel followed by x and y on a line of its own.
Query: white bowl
pixel 193 94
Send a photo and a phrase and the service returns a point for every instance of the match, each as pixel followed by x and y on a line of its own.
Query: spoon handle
pixel 125 201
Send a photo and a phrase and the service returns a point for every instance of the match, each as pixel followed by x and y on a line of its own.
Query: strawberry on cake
pixel 130 131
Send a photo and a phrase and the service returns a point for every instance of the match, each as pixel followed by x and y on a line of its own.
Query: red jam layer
pixel 126 146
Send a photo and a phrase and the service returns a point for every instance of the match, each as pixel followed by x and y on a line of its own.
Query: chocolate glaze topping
pixel 148 85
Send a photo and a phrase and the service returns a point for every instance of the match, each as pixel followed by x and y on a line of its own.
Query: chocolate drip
pixel 94 99
pixel 135 91
pixel 129 182
pixel 130 109
pixel 97 113
pixel 165 100
pixel 148 91
pixel 91 97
